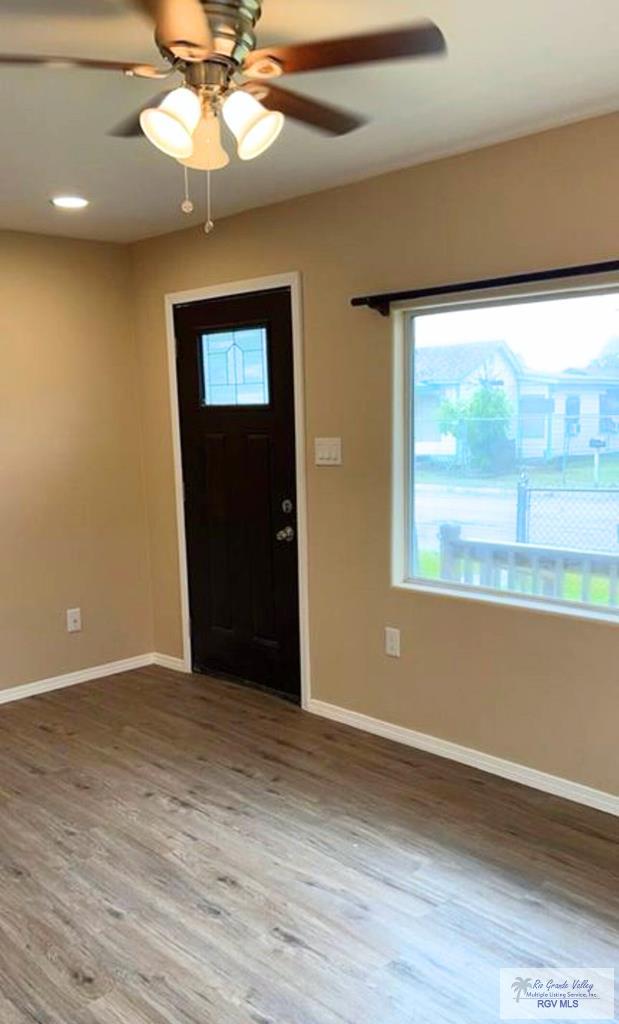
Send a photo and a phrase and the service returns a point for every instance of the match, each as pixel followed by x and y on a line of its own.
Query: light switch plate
pixel 392 641
pixel 328 451
pixel 74 620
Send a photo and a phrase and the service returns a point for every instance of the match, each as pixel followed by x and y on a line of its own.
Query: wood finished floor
pixel 177 850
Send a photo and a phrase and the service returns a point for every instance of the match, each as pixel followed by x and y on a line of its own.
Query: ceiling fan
pixel 211 43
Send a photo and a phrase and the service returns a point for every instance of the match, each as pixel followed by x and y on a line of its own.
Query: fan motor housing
pixel 232 24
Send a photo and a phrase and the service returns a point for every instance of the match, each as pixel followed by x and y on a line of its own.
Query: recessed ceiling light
pixel 69 202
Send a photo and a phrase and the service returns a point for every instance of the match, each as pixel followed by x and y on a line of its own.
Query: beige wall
pixel 534 688
pixel 72 511
pixel 537 689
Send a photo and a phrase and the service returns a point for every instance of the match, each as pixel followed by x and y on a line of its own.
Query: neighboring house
pixel 553 414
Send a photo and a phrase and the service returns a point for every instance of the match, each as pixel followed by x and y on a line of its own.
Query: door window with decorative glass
pixel 235 367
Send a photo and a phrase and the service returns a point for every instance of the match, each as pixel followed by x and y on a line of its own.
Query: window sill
pixel 567 609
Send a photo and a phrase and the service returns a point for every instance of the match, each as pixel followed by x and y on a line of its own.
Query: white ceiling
pixel 513 66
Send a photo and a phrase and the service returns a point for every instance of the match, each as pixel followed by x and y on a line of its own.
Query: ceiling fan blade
pixel 323 116
pixel 130 128
pixel 139 70
pixel 421 39
pixel 181 27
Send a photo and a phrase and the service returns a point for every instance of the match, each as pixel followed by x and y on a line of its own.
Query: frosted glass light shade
pixel 208 152
pixel 254 127
pixel 69 202
pixel 170 126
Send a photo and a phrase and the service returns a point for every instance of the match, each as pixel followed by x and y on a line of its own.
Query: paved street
pixel 585 521
pixel 488 514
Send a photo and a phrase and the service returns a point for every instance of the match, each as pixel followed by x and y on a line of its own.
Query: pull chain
pixel 186 205
pixel 209 226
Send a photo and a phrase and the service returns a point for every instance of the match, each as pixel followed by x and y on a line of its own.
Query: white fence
pixel 526 568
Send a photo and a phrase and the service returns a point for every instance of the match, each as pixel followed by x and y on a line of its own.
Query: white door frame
pixel 217 291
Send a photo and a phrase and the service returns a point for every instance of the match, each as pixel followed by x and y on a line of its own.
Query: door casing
pixel 229 289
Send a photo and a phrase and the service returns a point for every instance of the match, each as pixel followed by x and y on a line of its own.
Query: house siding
pixel 552 442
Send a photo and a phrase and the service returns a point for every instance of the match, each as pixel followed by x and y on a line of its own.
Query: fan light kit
pixel 186 126
pixel 171 125
pixel 254 128
pixel 212 45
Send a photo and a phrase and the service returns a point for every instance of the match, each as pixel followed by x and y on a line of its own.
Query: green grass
pixel 430 565
pixel 599 588
pixel 579 473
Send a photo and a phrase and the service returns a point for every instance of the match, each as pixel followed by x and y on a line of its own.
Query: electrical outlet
pixel 392 642
pixel 74 620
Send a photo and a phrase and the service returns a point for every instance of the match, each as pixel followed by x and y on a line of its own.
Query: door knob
pixel 287 534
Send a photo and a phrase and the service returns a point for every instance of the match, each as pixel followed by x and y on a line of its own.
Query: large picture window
pixel 512 449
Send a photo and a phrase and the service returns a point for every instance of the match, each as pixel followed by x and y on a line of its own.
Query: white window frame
pixel 402 482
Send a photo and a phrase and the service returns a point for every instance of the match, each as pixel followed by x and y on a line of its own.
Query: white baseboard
pixel 83 675
pixel 467 755
pixel 167 661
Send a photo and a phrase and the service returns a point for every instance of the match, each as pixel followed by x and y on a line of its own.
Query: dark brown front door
pixel 236 400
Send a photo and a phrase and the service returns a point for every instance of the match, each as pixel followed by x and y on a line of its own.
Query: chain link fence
pixel 578 518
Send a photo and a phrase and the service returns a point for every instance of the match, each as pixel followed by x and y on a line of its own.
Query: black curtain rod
pixel 382 303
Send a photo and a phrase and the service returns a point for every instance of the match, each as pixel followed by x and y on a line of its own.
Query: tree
pixel 521 986
pixel 608 358
pixel 480 425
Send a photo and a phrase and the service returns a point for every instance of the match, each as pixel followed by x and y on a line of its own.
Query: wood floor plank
pixel 178 850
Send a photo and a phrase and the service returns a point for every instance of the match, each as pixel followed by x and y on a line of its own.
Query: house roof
pixel 443 364
pixel 450 364
pixel 573 376
pixel 596 374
